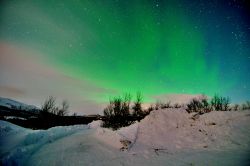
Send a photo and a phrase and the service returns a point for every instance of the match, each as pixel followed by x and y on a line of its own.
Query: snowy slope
pixel 174 131
pixel 165 137
pixel 9 103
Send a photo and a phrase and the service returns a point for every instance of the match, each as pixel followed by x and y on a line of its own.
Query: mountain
pixel 16 105
pixel 29 116
pixel 14 110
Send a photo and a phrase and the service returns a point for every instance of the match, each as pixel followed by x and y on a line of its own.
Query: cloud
pixel 27 78
pixel 176 98
pixel 13 91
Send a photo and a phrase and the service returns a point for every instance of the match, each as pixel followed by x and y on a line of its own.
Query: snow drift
pixel 165 137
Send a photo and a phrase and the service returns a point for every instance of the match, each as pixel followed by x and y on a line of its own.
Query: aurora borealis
pixel 97 49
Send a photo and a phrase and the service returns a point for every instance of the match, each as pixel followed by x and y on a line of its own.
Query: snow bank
pixel 129 133
pixel 95 124
pixel 117 138
pixel 175 130
pixel 7 128
pixel 165 137
pixel 28 141
pixel 108 137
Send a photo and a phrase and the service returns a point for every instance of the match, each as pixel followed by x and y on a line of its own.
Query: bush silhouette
pixel 49 105
pixel 117 112
pixel 200 106
pixel 157 105
pixel 137 107
pixel 246 105
pixel 219 103
pixel 64 110
pixel 176 105
pixel 150 108
pixel 236 107
pixel 126 104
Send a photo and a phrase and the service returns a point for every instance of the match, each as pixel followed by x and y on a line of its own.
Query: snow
pixel 175 130
pixel 129 133
pixel 9 103
pixel 95 124
pixel 27 141
pixel 165 137
pixel 14 117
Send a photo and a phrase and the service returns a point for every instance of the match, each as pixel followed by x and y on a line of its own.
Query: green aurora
pixel 128 46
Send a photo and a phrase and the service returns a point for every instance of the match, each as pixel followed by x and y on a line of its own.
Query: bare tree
pixel 49 105
pixel 64 110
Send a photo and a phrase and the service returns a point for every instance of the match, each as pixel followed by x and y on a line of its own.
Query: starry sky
pixel 88 51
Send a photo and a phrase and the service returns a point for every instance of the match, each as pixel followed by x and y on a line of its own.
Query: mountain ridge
pixel 13 104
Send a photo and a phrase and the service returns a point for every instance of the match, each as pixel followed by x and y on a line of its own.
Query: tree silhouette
pixel 64 110
pixel 49 105
pixel 117 112
pixel 138 105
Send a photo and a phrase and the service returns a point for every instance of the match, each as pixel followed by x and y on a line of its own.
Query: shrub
pixel 117 113
pixel 248 104
pixel 163 105
pixel 157 105
pixel 64 110
pixel 137 107
pixel 168 104
pixel 200 106
pixel 150 108
pixel 245 106
pixel 49 105
pixel 126 104
pixel 236 107
pixel 220 103
pixel 176 105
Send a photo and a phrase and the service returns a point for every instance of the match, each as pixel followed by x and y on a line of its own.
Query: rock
pixel 125 144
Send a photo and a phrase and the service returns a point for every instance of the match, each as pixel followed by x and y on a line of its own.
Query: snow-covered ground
pixel 165 137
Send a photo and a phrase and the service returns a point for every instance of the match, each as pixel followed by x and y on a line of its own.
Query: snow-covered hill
pixel 12 104
pixel 165 137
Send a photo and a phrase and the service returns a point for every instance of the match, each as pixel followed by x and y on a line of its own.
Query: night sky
pixel 87 51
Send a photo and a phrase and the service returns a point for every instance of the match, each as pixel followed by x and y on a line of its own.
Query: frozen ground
pixel 165 137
